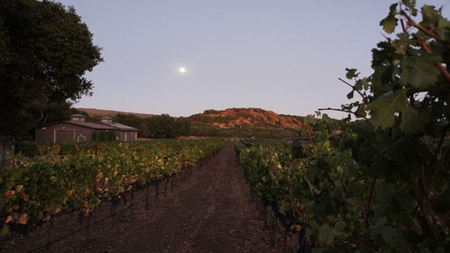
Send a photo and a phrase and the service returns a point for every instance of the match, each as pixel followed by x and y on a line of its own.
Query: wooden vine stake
pixel 88 228
pixel 147 196
pixel 50 228
pixel 131 205
pixel 115 202
pixel 157 189
pixel 165 187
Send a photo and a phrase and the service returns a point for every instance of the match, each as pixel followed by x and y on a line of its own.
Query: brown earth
pixel 212 211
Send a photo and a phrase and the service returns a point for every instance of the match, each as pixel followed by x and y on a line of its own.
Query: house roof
pixel 119 126
pixel 92 125
pixel 77 115
pixel 95 125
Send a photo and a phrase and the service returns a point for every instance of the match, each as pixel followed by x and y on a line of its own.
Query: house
pixel 77 129
pixel 123 132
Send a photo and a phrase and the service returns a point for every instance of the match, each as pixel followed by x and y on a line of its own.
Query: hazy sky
pixel 281 55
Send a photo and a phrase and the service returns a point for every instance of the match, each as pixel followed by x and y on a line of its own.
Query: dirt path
pixel 210 212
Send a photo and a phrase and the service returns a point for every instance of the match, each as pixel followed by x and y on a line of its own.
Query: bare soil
pixel 211 211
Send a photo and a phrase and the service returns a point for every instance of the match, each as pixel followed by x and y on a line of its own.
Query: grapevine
pixel 35 189
pixel 379 180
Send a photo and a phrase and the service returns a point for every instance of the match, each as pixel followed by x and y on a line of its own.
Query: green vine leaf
pixel 390 22
pixel 392 105
pixel 362 84
pixel 419 70
pixel 384 199
pixel 391 235
pixel 430 15
pixel 351 73
pixel 385 107
pixel 350 95
pixel 326 234
pixel 411 5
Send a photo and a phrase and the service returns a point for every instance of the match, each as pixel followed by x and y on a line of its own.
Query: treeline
pixel 243 131
pixel 158 126
pixel 165 126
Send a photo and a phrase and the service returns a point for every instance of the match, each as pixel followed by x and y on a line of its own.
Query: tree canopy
pixel 157 126
pixel 45 50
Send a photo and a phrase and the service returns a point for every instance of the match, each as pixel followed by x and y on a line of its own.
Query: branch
pixel 405 30
pixel 334 109
pixel 441 140
pixel 411 22
pixel 437 151
pixel 342 110
pixel 426 208
pixel 422 43
pixel 353 88
pixel 441 68
pixel 423 181
pixel 369 201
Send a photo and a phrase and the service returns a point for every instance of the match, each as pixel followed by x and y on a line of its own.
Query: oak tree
pixel 45 50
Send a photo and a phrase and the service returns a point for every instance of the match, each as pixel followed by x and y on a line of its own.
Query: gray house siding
pixel 63 132
pixel 78 130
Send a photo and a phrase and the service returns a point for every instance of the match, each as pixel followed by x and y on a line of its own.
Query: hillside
pixel 244 122
pixel 110 113
pixel 252 117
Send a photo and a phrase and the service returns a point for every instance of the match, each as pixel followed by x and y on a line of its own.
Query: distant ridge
pixel 251 117
pixel 111 113
pixel 222 119
pixel 247 122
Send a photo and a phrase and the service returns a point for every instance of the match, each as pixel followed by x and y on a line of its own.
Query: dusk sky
pixel 280 55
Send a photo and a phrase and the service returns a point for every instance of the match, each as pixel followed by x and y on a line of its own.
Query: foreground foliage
pixel 33 190
pixel 326 189
pixel 381 183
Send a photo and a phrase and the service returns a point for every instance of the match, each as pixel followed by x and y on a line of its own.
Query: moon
pixel 182 70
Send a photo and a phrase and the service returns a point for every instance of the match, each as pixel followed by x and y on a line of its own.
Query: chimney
pixel 77 117
pixel 106 120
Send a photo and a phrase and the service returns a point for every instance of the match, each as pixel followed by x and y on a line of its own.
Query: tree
pixel 45 50
pixel 134 121
pixel 165 126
